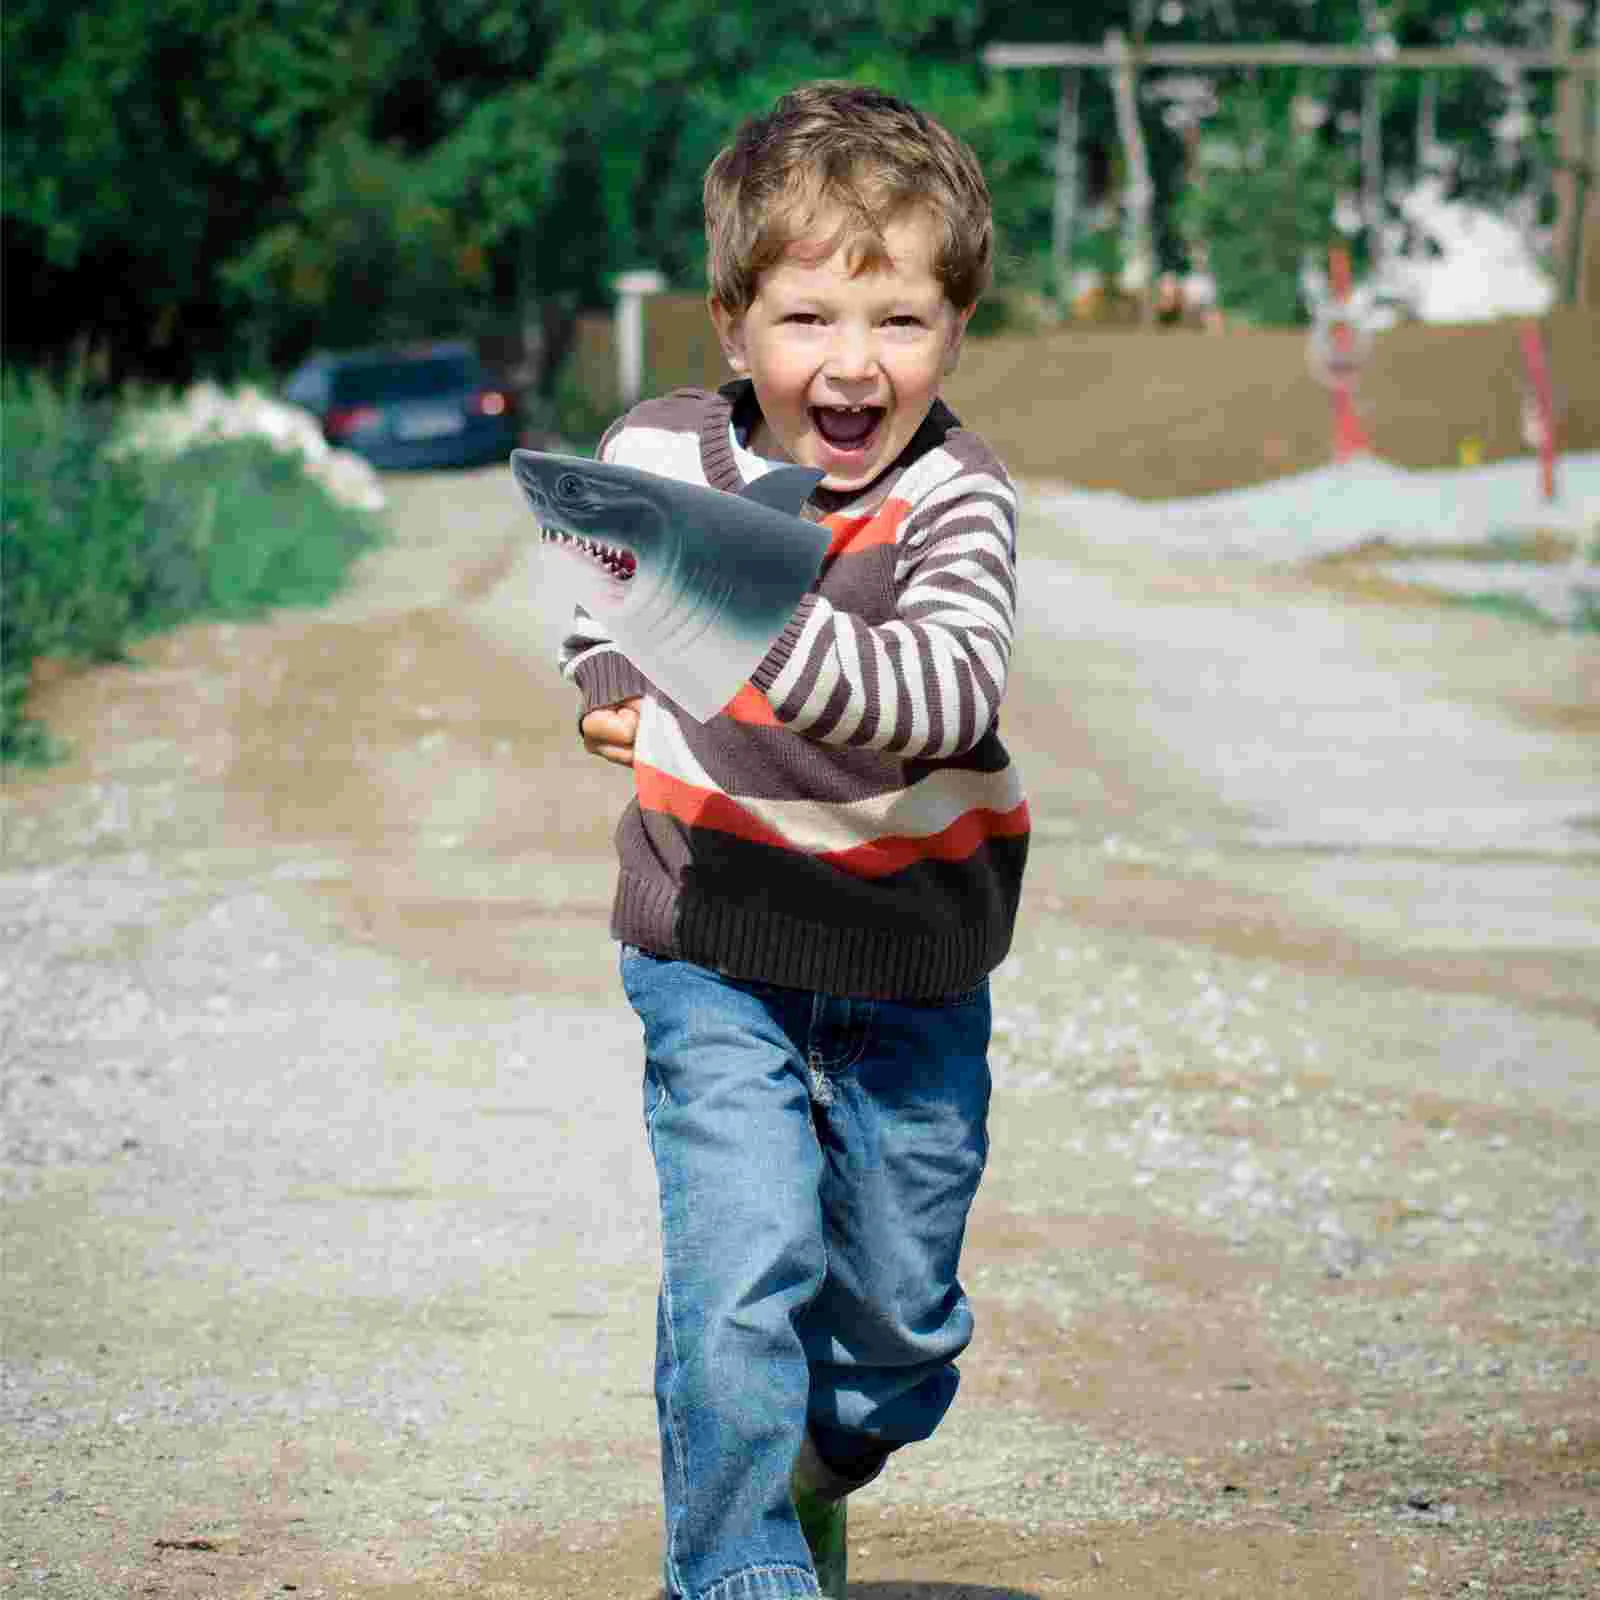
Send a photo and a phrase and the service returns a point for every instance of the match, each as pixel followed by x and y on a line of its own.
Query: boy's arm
pixel 602 675
pixel 929 683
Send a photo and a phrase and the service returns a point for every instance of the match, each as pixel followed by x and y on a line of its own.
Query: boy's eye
pixel 804 318
pixel 905 320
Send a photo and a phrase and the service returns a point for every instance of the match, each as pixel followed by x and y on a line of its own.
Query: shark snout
pixel 533 490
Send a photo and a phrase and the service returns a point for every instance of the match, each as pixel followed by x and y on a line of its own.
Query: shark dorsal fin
pixel 784 488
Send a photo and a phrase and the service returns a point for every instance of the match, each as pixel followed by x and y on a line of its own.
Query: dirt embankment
pixel 329 1240
pixel 1157 413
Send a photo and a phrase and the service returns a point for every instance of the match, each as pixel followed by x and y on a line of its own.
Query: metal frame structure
pixel 1578 155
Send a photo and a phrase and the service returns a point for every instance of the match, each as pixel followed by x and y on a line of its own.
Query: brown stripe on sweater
pixel 971 454
pixel 871 687
pixel 933 935
pixel 967 726
pixel 768 761
pixel 717 459
pixel 894 644
pixel 930 671
pixel 811 665
pixel 978 550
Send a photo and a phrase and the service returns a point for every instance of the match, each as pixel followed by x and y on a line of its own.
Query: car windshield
pixel 402 380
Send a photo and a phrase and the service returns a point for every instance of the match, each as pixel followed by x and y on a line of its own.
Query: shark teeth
pixel 618 564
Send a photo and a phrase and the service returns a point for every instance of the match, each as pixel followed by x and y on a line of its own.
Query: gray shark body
pixel 694 584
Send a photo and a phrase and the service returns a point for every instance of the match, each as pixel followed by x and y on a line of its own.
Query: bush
pixel 102 546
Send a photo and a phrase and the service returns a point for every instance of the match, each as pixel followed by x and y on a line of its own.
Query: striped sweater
pixel 850 822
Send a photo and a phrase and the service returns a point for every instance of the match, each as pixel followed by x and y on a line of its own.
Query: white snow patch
pixel 1335 508
pixel 1563 593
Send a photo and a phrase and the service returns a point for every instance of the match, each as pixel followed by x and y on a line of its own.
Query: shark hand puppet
pixel 695 584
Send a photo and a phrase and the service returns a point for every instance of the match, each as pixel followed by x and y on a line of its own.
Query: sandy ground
pixel 329 1235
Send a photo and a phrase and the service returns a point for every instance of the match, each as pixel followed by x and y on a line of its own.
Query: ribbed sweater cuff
pixel 606 678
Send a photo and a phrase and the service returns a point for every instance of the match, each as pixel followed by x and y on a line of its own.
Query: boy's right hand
pixel 609 731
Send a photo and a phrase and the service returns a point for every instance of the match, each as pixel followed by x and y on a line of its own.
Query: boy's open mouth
pixel 613 560
pixel 847 427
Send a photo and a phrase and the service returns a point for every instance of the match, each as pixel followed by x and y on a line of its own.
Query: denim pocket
pixel 633 967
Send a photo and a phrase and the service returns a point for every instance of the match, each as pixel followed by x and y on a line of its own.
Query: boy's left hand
pixel 609 731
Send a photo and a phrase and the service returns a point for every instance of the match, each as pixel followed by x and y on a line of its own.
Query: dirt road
pixel 329 1237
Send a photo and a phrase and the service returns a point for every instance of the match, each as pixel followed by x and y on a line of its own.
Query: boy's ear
pixel 730 334
pixel 953 354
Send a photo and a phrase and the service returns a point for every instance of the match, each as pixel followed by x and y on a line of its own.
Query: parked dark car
pixel 420 406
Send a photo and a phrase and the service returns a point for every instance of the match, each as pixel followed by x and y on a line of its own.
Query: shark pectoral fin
pixel 784 488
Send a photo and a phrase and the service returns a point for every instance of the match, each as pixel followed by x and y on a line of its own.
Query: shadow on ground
pixel 928 1591
pixel 937 1591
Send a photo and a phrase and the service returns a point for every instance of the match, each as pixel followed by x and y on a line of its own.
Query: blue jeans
pixel 817 1157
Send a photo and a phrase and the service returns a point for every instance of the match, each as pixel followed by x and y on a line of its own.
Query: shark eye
pixel 569 486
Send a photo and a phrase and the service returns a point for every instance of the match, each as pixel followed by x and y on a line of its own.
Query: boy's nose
pixel 851 358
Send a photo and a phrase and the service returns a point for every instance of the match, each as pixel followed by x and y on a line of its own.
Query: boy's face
pixel 846 364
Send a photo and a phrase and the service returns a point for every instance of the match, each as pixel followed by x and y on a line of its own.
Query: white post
pixel 633 288
pixel 1570 191
pixel 1427 126
pixel 1139 193
pixel 1372 165
pixel 1066 194
pixel 1373 37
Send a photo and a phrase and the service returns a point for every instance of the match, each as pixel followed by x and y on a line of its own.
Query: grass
pixel 1512 607
pixel 1527 549
pixel 1542 549
pixel 1517 608
pixel 99 548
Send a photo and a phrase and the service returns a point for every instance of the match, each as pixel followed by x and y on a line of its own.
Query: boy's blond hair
pixel 846 148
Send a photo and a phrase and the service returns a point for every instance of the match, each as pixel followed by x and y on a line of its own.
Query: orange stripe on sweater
pixel 856 534
pixel 964 837
pixel 750 706
pixel 700 808
pixel 874 858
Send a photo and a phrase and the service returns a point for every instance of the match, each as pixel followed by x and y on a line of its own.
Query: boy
pixel 815 885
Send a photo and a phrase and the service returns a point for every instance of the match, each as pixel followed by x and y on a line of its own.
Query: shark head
pixel 608 523
pixel 694 583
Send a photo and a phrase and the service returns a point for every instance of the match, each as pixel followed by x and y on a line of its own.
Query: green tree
pixel 146 141
pixel 193 186
pixel 368 256
pixel 1262 203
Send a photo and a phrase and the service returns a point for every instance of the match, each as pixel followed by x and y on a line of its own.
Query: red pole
pixel 1349 438
pixel 1544 401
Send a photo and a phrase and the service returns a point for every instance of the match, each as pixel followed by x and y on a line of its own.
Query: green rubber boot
pixel 822 1521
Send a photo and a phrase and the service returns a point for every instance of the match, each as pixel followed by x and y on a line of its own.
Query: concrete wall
pixel 1180 412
